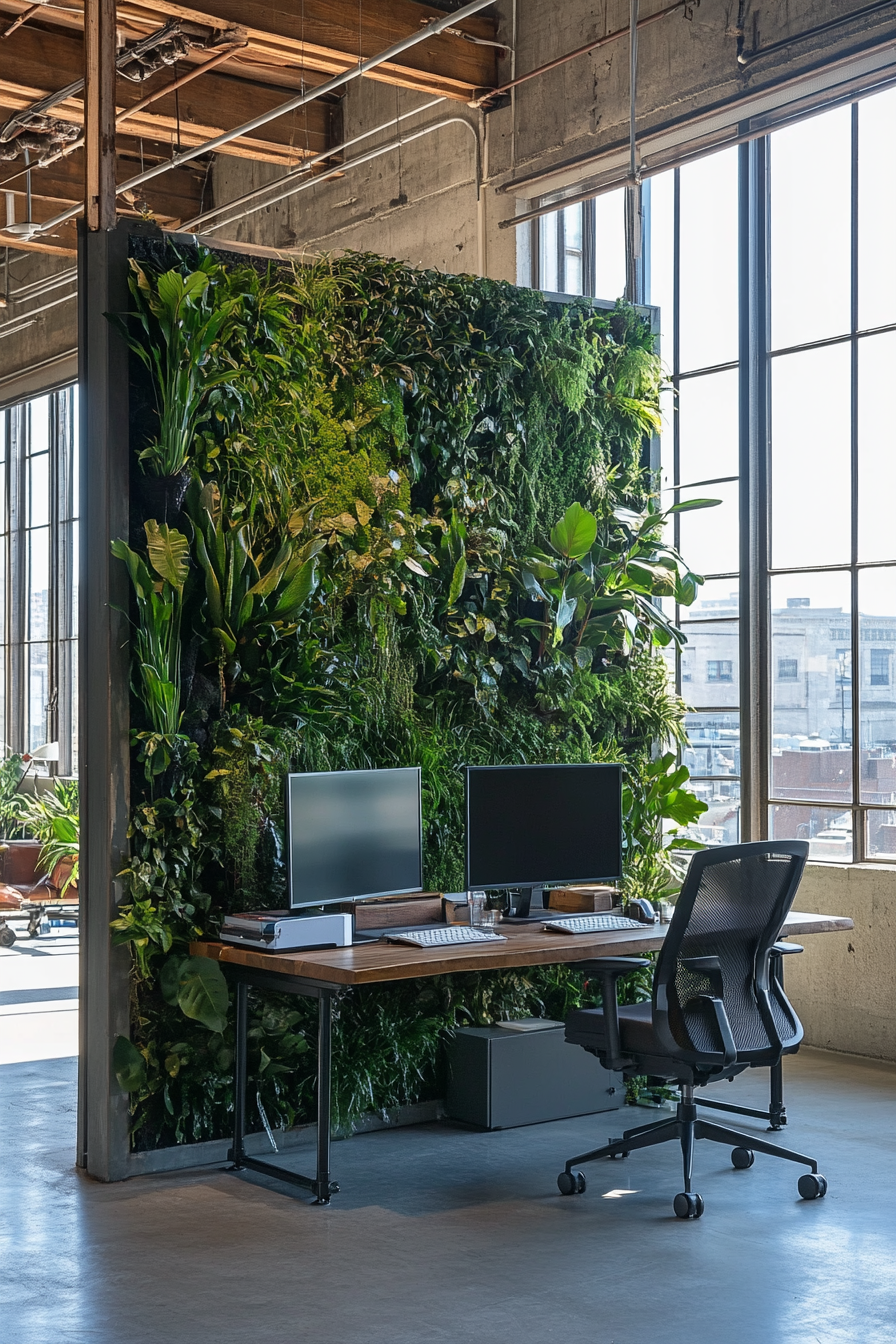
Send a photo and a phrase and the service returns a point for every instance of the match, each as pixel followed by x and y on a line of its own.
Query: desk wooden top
pixel 527 945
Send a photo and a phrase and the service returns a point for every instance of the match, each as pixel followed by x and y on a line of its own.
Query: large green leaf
pixel 140 575
pixel 169 978
pixel 575 533
pixel 458 579
pixel 687 504
pixel 169 553
pixel 202 992
pixel 128 1064
pixel 298 590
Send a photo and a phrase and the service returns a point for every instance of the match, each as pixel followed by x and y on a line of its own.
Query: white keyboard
pixel 592 924
pixel 446 937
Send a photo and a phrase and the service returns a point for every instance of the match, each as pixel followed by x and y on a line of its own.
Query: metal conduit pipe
pixel 337 82
pixel 357 162
pixel 747 57
pixel 25 319
pixel 687 6
pixel 47 280
pixel 200 221
pixel 36 290
pixel 621 179
pixel 150 98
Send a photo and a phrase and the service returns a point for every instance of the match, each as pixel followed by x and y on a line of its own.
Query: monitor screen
pixel 353 834
pixel 532 825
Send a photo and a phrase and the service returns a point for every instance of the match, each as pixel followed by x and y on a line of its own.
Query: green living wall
pixel 379 517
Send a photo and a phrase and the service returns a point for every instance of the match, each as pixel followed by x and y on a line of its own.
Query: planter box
pixel 19 862
pixel 498 1079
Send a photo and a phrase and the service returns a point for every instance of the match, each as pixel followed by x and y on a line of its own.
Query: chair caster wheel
pixel 7 936
pixel 742 1158
pixel 812 1187
pixel 571 1183
pixel 688 1206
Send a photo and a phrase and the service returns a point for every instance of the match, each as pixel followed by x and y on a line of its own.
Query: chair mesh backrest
pixel 732 906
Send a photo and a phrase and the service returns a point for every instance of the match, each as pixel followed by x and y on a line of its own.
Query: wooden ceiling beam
pixel 34 62
pixel 322 35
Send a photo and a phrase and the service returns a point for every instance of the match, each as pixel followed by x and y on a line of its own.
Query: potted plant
pixel 53 819
pixel 181 324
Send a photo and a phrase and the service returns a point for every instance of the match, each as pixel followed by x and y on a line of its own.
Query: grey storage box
pixel 498 1078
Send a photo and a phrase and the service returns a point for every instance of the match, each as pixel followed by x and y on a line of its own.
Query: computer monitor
pixel 529 826
pixel 353 835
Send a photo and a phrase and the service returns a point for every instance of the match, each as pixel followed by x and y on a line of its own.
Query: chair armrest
pixel 609 970
pixel 711 967
pixel 776 974
pixel 615 966
pixel 724 1026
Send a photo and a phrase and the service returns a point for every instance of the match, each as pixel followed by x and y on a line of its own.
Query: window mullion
pixel 18 576
pixel 754 470
pixel 858 826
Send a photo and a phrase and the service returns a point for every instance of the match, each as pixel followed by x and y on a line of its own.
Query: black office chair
pixel 716 1010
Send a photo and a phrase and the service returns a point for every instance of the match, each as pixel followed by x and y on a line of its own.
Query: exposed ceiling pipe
pixel 747 57
pixel 337 82
pixel 23 18
pixel 633 221
pixel 528 186
pixel 686 6
pixel 202 221
pixel 150 98
pixel 23 320
pixel 340 168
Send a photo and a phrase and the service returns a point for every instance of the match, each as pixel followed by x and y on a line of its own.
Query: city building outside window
pixel 788 669
pixel 880 667
pixel 720 669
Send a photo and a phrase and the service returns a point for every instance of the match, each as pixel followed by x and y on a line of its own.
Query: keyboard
pixel 450 936
pixel 593 924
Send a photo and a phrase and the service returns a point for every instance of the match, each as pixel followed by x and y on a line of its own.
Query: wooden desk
pixel 325 974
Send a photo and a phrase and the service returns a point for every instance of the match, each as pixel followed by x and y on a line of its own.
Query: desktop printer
pixel 283 931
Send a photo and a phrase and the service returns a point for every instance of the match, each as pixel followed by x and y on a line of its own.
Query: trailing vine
pixel 417 529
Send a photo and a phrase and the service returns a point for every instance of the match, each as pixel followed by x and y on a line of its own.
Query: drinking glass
pixel 476 902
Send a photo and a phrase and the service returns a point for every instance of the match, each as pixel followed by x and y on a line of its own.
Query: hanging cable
pixel 633 91
pixel 633 224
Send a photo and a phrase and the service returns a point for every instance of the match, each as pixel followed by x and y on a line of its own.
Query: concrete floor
pixel 440 1235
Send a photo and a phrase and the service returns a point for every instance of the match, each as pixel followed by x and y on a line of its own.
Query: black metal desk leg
pixel 324 1096
pixel 240 1070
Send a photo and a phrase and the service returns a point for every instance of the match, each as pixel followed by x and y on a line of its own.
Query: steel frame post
pixel 103 696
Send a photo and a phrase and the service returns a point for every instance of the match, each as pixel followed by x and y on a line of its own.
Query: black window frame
pixel 60 705
pixel 754 364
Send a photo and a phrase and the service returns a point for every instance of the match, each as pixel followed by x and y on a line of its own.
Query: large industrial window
pixel 38 580
pixel 581 250
pixel 691 273
pixel 832 346
pixel 774 268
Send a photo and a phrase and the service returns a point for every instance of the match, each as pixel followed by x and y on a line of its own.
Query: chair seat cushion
pixel 586 1027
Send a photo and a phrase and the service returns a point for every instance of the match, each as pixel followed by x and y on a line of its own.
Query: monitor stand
pixel 528 907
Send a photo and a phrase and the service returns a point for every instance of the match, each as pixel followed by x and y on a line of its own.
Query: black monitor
pixel 530 826
pixel 353 834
